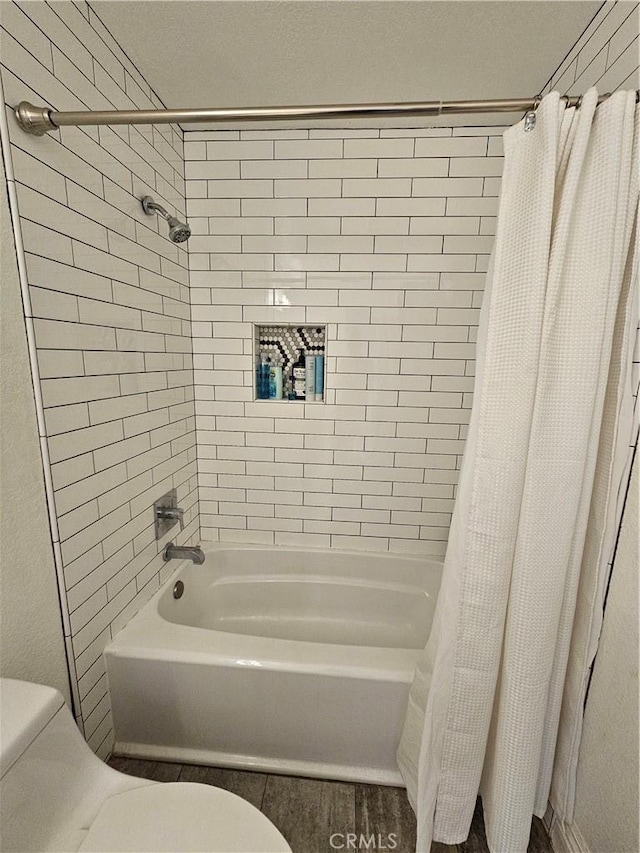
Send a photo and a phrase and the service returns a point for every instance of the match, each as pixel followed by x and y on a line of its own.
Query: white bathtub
pixel 275 659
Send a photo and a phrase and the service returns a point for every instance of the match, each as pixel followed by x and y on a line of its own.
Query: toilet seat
pixel 181 816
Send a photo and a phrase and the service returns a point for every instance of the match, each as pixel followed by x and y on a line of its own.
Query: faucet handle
pixel 166 512
pixel 172 512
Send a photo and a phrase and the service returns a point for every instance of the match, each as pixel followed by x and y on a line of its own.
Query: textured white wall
pixel 235 54
pixel 31 637
pixel 607 790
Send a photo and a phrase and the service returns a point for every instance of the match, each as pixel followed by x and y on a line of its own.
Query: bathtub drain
pixel 178 589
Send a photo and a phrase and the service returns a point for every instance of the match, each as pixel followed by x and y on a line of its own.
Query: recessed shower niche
pixel 290 363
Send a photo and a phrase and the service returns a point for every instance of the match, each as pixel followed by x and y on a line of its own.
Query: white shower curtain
pixel 486 699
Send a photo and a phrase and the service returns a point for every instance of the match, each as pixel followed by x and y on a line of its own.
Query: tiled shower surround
pixel 109 299
pixel 384 236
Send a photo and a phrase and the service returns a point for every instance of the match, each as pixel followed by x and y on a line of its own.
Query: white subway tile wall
pixel 110 305
pixel 385 239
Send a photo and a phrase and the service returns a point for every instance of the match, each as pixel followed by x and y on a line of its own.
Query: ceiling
pixel 235 53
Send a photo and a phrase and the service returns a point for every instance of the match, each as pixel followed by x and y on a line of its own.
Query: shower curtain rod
pixel 40 120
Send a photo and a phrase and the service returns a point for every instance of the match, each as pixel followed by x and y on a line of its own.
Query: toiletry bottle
pixel 266 377
pixel 310 378
pixel 288 386
pixel 275 381
pixel 279 383
pixel 319 385
pixel 263 377
pixel 298 376
pixel 259 378
pixel 272 381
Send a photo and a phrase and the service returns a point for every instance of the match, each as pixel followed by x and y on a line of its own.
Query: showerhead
pixel 178 231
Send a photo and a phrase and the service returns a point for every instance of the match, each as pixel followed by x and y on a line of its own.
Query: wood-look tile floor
pixel 309 811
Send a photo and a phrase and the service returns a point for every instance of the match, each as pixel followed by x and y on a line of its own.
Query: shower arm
pixel 41 120
pixel 150 206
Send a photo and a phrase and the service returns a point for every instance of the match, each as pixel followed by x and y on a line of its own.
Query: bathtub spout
pixel 183 552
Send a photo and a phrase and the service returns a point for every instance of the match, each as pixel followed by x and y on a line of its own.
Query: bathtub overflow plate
pixel 178 589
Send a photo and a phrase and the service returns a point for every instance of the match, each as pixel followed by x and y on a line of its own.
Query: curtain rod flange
pixel 34 120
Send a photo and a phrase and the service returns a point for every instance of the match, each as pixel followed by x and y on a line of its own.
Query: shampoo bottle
pixel 319 383
pixel 262 378
pixel 310 377
pixel 275 381
pixel 298 377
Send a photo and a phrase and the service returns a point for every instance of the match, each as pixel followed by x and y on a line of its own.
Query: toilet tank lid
pixel 25 709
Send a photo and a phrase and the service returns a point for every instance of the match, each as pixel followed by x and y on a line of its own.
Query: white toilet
pixel 55 794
